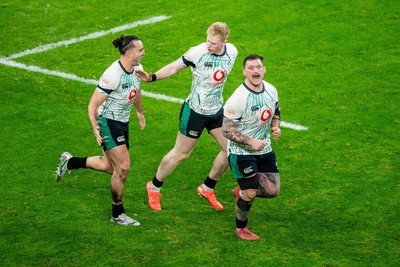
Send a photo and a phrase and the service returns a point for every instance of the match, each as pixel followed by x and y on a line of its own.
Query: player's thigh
pixel 191 124
pixel 219 137
pixel 269 184
pixel 119 156
pixel 114 133
pixel 267 163
pixel 243 166
pixel 184 144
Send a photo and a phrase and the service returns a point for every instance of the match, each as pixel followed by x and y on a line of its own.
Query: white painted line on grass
pixel 7 61
pixel 65 75
pixel 293 126
pixel 73 77
pixel 163 97
pixel 94 35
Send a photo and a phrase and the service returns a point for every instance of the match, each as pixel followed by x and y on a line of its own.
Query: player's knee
pixel 123 170
pixel 181 156
pixel 101 163
pixel 249 194
pixel 243 205
pixel 248 187
pixel 108 168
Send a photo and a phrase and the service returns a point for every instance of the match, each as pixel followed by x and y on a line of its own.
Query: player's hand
pixel 96 132
pixel 276 132
pixel 142 120
pixel 144 76
pixel 256 144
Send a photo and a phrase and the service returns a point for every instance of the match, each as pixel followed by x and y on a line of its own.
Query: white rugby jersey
pixel 209 74
pixel 121 88
pixel 253 114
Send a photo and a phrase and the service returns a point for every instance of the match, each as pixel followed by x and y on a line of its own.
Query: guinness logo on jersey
pixel 208 64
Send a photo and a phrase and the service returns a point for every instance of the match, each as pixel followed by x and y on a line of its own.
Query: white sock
pixel 154 188
pixel 207 188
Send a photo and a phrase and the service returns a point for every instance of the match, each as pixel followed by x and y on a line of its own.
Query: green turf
pixel 335 65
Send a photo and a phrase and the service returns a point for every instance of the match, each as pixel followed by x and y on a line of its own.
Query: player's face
pixel 215 45
pixel 137 52
pixel 254 71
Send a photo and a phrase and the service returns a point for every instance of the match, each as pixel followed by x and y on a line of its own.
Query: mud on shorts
pixel 192 124
pixel 114 133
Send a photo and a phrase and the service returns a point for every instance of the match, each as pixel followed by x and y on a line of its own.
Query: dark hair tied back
pixel 117 42
pixel 124 43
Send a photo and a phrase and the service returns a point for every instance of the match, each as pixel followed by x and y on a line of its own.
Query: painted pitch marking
pixel 43 48
pixel 8 62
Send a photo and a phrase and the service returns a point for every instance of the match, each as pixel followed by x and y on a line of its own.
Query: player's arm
pixel 164 72
pixel 231 132
pixel 276 122
pixel 139 109
pixel 95 101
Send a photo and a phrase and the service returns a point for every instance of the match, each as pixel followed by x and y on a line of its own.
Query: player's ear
pixel 129 53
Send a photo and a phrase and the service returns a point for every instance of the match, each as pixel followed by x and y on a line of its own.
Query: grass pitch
pixel 335 65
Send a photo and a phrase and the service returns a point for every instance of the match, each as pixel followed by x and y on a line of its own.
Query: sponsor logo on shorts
pixel 121 139
pixel 248 170
pixel 193 133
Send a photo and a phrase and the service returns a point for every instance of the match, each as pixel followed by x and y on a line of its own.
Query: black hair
pixel 124 43
pixel 252 57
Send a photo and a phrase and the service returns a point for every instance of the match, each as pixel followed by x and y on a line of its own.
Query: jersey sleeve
pixel 108 82
pixel 233 108
pixel 274 92
pixel 233 52
pixel 191 57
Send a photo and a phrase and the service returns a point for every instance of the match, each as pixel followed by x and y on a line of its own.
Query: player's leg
pixel 69 163
pixel 189 132
pixel 268 175
pixel 244 169
pixel 181 151
pixel 100 163
pixel 183 148
pixel 115 145
pixel 247 194
pixel 119 157
pixel 220 165
pixel 269 185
